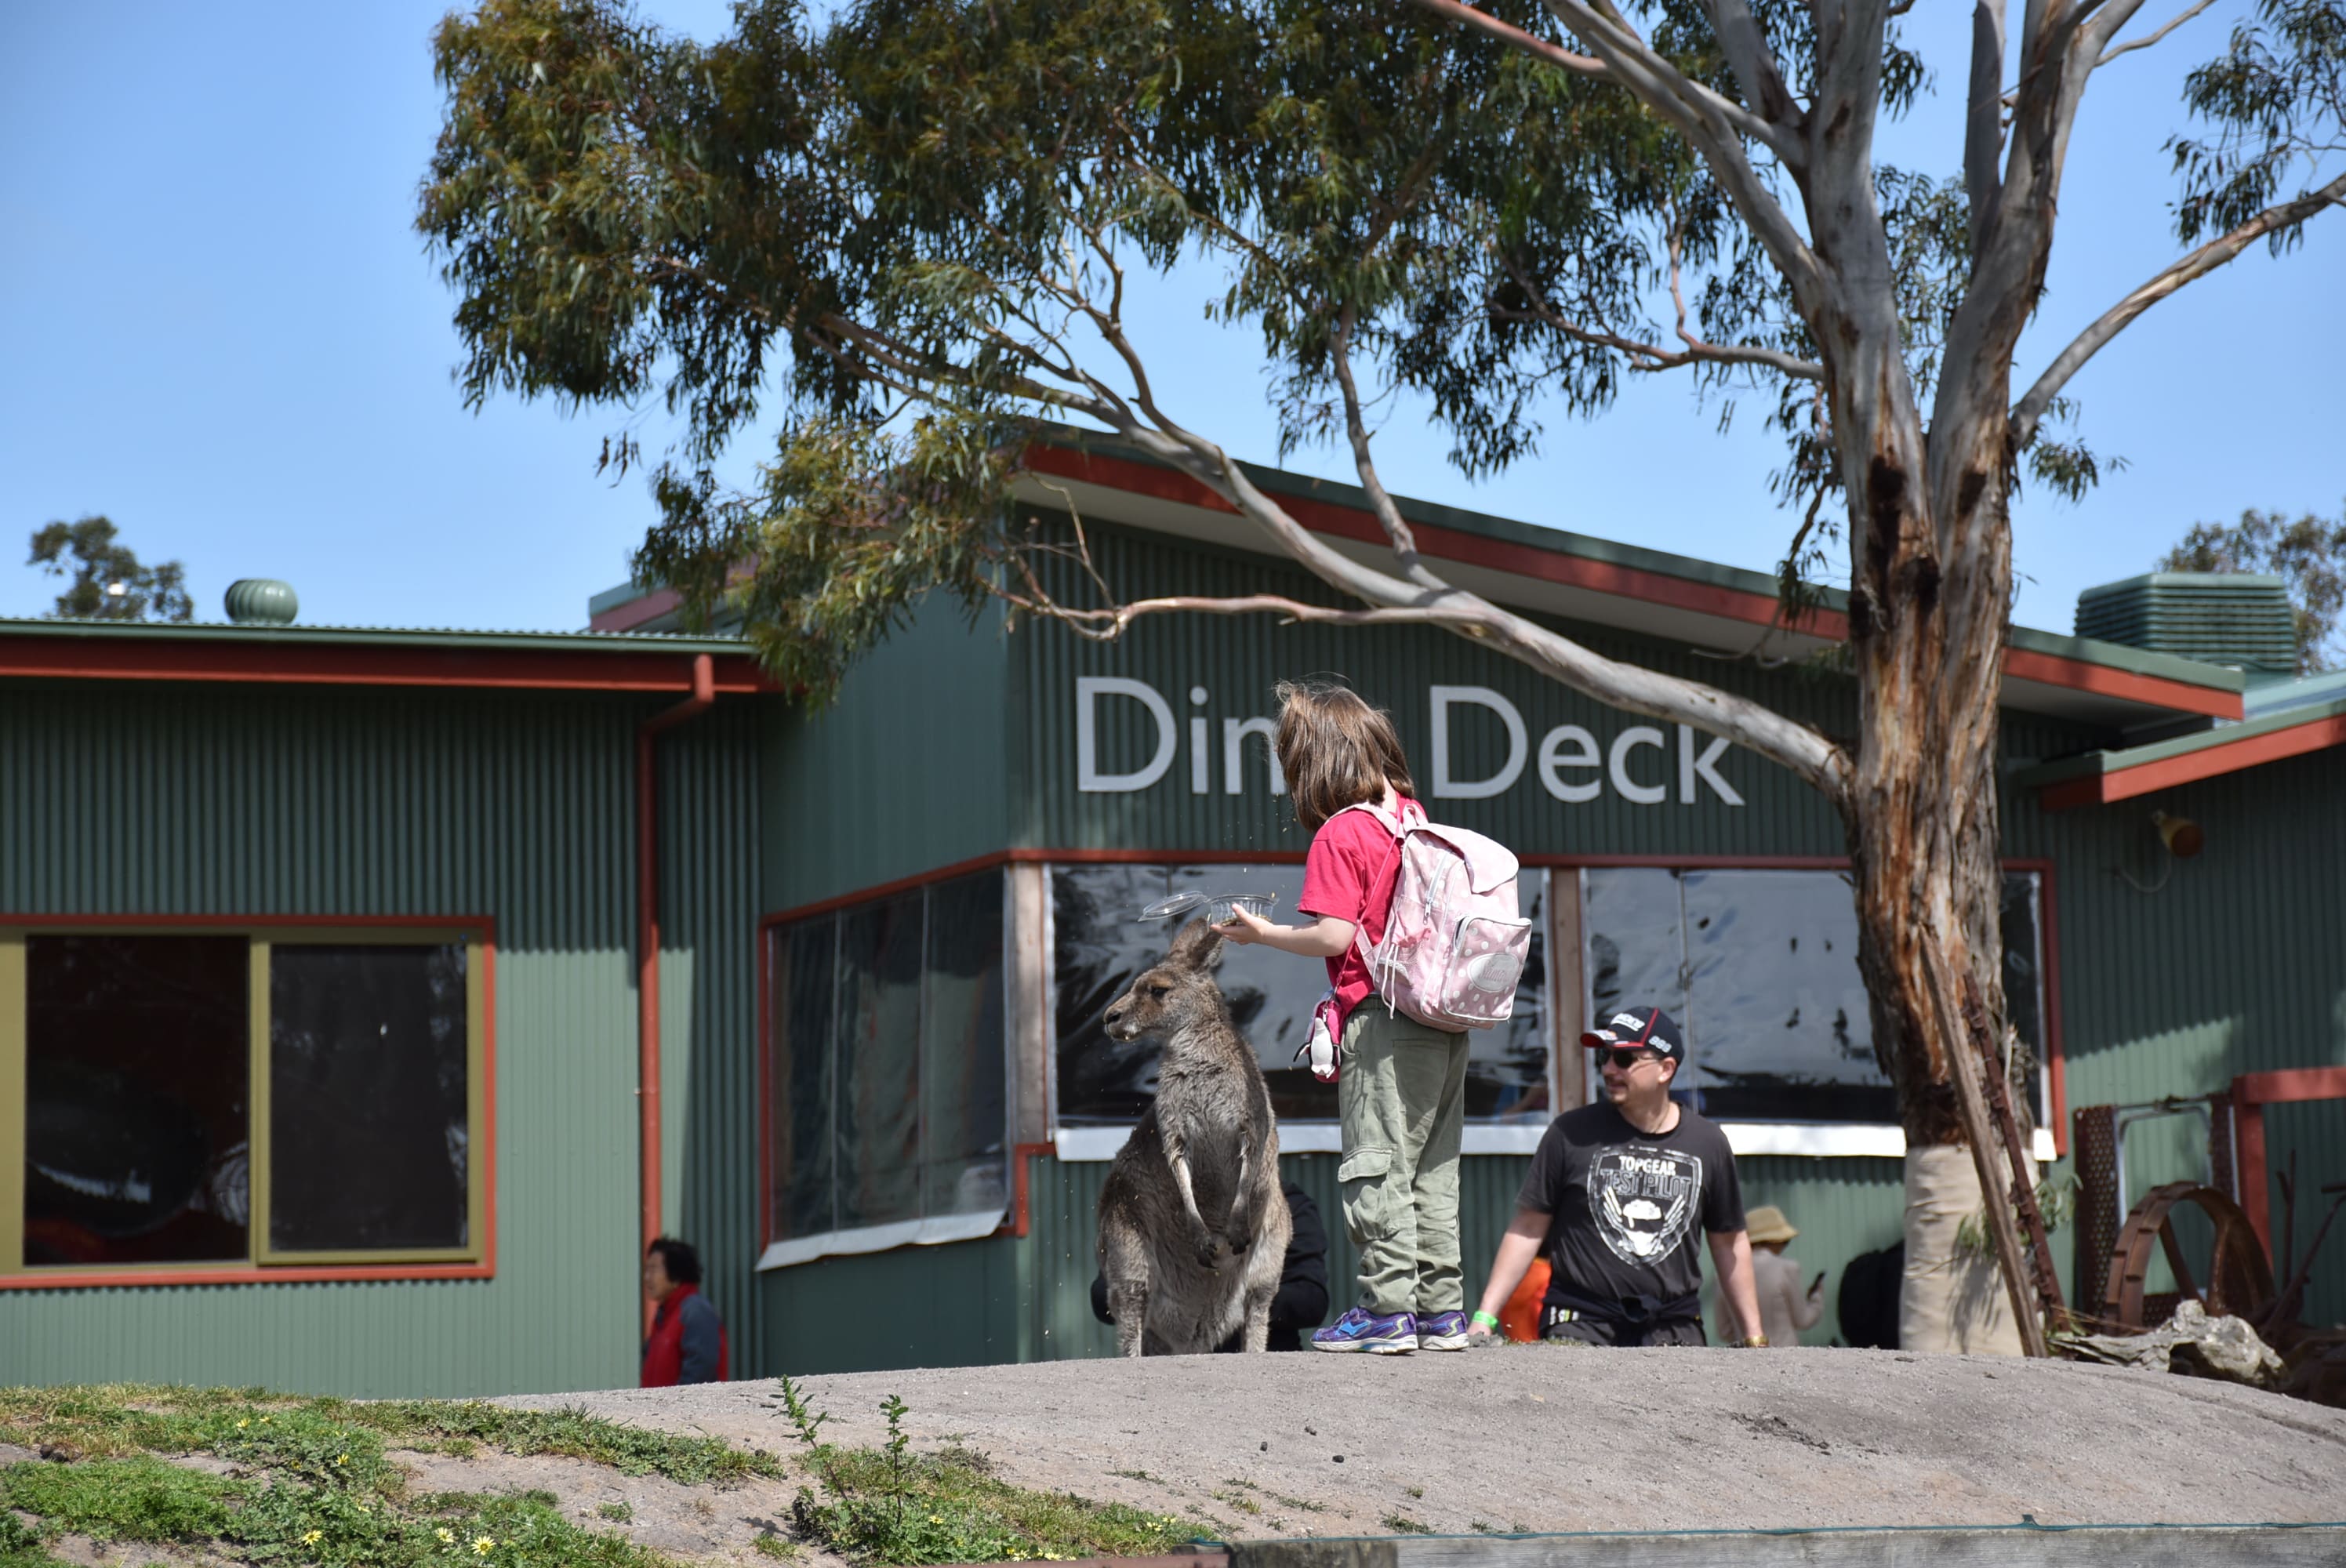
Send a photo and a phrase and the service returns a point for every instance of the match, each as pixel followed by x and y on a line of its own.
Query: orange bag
pixel 1519 1319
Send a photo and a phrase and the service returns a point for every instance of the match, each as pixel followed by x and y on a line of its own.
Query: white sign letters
pixel 1570 762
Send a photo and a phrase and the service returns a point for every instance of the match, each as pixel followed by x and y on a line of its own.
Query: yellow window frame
pixel 262 940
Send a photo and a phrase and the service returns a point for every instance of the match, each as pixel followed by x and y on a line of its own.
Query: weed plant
pixel 890 1505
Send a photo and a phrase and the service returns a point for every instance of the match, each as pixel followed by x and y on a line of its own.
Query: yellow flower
pixel 341 1458
pixel 311 1538
pixel 447 1536
pixel 364 1508
pixel 242 1422
pixel 483 1545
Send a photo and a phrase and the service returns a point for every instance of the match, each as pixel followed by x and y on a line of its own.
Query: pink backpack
pixel 1454 944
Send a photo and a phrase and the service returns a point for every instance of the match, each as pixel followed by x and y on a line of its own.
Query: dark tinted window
pixel 803 994
pixel 890 1101
pixel 964 1089
pixel 1102 947
pixel 369 1135
pixel 877 1129
pixel 137 1052
pixel 1760 969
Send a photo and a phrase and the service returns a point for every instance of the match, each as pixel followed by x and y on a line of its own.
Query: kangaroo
pixel 1193 1227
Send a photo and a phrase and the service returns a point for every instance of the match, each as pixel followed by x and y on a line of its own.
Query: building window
pixel 1101 946
pixel 1760 969
pixel 889 1113
pixel 263 1097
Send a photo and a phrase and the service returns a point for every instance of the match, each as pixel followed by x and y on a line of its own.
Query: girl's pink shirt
pixel 1349 875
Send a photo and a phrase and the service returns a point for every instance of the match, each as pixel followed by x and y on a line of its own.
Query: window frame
pixel 1855 1139
pixel 924 1231
pixel 263 1263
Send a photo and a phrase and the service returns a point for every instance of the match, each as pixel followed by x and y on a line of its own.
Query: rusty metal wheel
pixel 2240 1279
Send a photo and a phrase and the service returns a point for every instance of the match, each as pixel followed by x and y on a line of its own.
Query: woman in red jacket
pixel 687 1344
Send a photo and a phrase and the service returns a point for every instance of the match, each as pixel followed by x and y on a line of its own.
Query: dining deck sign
pixel 1644 764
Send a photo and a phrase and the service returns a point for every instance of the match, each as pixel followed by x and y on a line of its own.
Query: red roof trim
pixel 2025 664
pixel 1607 577
pixel 2207 762
pixel 346 664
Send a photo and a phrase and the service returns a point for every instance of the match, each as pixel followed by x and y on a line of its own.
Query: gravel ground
pixel 1549 1439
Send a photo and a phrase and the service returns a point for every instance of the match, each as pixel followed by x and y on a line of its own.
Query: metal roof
pixel 1577 576
pixel 378 637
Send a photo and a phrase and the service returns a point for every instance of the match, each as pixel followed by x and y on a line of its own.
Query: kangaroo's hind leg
pixel 1124 1258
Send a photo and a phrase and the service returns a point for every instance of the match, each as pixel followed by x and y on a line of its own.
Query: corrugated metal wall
pixel 275 800
pixel 709 863
pixel 2236 964
pixel 955 1304
pixel 906 772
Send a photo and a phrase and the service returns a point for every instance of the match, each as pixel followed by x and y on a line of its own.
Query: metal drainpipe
pixel 647 1027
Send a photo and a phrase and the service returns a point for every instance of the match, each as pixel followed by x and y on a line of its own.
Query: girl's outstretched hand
pixel 1243 928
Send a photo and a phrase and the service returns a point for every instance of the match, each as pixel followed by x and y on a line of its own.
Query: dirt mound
pixel 1539 1437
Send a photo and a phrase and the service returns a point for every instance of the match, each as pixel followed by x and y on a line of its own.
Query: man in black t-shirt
pixel 1616 1195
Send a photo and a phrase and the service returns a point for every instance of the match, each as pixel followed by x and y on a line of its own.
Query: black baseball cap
pixel 1648 1026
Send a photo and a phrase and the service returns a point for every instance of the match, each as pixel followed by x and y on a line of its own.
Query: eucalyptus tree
pixel 899 237
pixel 105 579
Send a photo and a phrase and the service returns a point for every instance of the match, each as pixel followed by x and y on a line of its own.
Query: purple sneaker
pixel 1441 1331
pixel 1360 1329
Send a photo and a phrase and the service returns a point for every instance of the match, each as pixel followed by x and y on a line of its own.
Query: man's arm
pixel 1731 1250
pixel 1516 1249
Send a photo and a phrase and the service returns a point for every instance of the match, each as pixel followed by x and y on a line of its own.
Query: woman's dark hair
pixel 1335 750
pixel 682 1263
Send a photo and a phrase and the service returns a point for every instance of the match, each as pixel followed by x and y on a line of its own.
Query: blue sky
pixel 227 337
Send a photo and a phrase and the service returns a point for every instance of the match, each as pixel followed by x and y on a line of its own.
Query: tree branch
pixel 2149 39
pixel 1516 38
pixel 1983 122
pixel 2030 410
pixel 1747 56
pixel 1396 527
pixel 1648 356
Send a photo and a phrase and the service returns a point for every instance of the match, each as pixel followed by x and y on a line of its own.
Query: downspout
pixel 648 940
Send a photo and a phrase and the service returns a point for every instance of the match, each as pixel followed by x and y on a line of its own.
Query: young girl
pixel 1401 1090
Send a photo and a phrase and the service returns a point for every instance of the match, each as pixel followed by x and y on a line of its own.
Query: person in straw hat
pixel 1784 1307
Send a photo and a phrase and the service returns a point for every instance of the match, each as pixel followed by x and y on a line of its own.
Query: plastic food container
pixel 1216 908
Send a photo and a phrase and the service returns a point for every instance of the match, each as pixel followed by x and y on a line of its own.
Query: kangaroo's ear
pixel 1196 947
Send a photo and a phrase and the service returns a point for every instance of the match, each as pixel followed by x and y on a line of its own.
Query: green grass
pixel 1402 1524
pixel 283 1431
pixel 312 1483
pixel 143 1500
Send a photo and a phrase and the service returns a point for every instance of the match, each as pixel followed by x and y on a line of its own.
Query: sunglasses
pixel 1626 1056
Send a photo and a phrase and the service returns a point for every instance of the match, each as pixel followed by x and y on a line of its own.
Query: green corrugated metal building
pixel 885 929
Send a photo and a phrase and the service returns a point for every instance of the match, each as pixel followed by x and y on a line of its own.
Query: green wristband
pixel 1485 1320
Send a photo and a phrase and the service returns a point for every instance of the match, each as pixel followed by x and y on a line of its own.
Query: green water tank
pixel 2240 619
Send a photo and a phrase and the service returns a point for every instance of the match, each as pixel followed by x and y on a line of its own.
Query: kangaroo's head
pixel 1178 991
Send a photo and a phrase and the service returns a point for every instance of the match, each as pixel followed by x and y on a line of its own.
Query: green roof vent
pixel 262 602
pixel 2239 619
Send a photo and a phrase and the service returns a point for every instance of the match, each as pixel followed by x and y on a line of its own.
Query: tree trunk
pixel 1927 625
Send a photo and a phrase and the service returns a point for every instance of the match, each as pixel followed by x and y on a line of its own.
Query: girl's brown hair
pixel 1335 750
